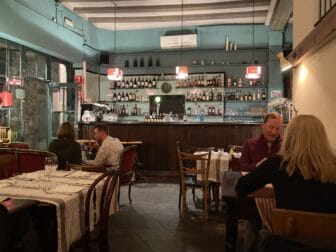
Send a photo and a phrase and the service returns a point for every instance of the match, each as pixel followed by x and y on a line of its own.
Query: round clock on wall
pixel 166 87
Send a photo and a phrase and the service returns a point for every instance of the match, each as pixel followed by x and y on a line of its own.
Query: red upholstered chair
pixel 31 160
pixel 128 161
pixel 98 235
pixel 8 162
pixel 18 145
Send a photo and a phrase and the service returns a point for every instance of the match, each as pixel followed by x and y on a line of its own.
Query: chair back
pixel 18 145
pixel 8 163
pixel 306 227
pixel 31 160
pixel 127 164
pixel 188 165
pixel 109 180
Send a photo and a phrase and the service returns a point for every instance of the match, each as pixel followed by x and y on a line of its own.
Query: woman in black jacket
pixel 65 147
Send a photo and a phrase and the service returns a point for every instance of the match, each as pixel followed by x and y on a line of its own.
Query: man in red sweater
pixel 257 149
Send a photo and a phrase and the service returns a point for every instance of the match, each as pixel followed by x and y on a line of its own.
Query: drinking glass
pixel 50 165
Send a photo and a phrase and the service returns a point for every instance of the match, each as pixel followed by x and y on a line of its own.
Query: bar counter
pixel 158 149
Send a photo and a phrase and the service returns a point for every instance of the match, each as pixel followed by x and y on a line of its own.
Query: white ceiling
pixel 145 14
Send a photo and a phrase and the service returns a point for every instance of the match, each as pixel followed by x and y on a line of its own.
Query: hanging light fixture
pixel 284 63
pixel 115 73
pixel 181 71
pixel 253 71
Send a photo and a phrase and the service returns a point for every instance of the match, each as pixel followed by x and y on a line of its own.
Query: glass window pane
pixel 3 59
pixel 14 62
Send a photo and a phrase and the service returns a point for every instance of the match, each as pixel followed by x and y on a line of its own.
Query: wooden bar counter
pixel 158 149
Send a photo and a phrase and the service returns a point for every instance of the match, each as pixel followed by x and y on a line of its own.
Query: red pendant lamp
pixel 115 73
pixel 181 71
pixel 253 71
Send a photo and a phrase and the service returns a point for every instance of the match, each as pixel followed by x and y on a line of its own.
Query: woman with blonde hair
pixel 303 174
pixel 65 146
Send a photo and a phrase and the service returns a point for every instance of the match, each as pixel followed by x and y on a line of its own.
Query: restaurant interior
pixel 182 85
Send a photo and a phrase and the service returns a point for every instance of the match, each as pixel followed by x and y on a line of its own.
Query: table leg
pixel 216 194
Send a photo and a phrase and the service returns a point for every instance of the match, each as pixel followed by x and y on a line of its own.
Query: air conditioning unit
pixel 178 41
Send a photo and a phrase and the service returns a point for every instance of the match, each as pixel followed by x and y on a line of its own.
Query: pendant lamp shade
pixel 181 72
pixel 253 71
pixel 114 73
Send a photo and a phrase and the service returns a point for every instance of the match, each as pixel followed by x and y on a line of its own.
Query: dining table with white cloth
pixel 64 189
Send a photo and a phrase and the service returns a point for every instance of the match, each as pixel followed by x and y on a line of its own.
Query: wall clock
pixel 166 87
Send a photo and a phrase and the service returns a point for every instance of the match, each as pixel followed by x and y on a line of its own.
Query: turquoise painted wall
pixel 39 24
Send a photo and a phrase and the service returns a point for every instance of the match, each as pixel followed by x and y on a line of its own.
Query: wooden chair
pixel 99 233
pixel 128 160
pixel 314 229
pixel 188 182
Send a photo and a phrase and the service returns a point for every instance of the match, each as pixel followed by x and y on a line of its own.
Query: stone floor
pixel 153 223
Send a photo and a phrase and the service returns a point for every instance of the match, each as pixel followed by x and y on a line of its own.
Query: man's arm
pixel 101 156
pixel 245 162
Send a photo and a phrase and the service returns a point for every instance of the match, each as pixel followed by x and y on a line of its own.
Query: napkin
pixel 66 189
pixel 28 176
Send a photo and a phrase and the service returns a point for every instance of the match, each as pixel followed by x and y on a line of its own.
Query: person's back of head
pixel 66 130
pixel 306 147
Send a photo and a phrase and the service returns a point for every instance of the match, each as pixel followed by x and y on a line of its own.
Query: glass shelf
pixel 238 101
pixel 245 87
pixel 204 101
pixel 199 87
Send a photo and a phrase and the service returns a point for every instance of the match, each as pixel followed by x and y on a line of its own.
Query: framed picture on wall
pixel 276 93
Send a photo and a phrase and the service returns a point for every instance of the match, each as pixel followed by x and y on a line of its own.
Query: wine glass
pixel 50 165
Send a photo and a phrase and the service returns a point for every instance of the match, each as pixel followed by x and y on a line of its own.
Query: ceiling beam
pixel 211 16
pixel 281 15
pixel 167 8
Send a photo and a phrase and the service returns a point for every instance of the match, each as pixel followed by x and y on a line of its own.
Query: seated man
pixel 110 150
pixel 255 151
pixel 259 148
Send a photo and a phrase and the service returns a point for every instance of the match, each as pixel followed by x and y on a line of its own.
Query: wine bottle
pixel 142 63
pixel 135 62
pixel 263 97
pixel 150 61
pixel 157 62
pixel 126 62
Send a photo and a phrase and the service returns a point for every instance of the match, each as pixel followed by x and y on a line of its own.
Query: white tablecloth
pixel 65 190
pixel 219 163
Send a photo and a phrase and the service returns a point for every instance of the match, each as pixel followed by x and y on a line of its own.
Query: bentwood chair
pixel 301 231
pixel 31 160
pixel 186 181
pixel 128 160
pixel 100 212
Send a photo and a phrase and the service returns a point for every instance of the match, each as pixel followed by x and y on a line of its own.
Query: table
pixel 219 163
pixel 65 190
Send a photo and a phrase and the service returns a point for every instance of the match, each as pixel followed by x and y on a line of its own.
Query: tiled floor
pixel 152 223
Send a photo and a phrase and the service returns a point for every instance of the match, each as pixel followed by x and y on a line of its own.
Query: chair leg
pixel 129 192
pixel 193 193
pixel 179 201
pixel 184 202
pixel 205 204
pixel 119 194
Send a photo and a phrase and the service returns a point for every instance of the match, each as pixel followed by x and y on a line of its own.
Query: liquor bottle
pixel 150 61
pixel 142 84
pixel 229 82
pixel 135 83
pixel 157 62
pixel 142 63
pixel 114 97
pixel 249 96
pixel 130 84
pixel 146 83
pixel 234 82
pixel 237 95
pixel 258 95
pixel 135 110
pixel 126 84
pixel 135 62
pixel 263 97
pixel 126 97
pixel 154 82
pixel 150 85
pixel 126 62
pixel 122 97
pixel 240 82
pixel 254 96
pixel 118 97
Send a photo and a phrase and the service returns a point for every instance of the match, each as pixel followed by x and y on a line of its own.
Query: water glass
pixel 221 151
pixel 50 165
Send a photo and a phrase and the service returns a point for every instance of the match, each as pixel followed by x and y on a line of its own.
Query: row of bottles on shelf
pixel 127 110
pixel 126 97
pixel 212 95
pixel 246 96
pixel 211 110
pixel 207 80
pixel 133 82
pixel 141 62
pixel 238 82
